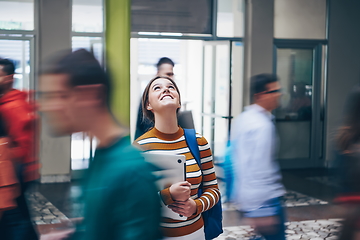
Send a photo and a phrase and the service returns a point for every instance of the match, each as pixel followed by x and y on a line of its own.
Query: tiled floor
pixel 295 199
pixel 326 180
pixel 308 205
pixel 43 211
pixel 311 229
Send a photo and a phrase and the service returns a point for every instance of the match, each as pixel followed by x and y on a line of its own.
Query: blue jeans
pixel 270 208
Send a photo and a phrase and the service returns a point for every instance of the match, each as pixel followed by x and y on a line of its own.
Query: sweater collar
pixel 169 137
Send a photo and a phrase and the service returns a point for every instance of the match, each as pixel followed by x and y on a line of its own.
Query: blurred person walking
pixel 165 67
pixel 121 200
pixel 257 188
pixel 348 166
pixel 18 117
pixel 161 103
pixel 9 185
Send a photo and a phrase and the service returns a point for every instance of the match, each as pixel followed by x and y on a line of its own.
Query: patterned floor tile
pixel 291 199
pixel 306 230
pixel 42 211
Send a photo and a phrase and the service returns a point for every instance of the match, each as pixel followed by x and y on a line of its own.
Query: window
pixel 87 16
pixel 19 52
pixel 17 15
pixel 230 18
pixel 87 27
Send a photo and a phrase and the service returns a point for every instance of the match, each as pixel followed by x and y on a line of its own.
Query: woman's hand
pixel 180 191
pixel 186 208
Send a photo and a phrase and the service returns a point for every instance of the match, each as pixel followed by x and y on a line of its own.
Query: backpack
pixel 212 217
pixel 228 170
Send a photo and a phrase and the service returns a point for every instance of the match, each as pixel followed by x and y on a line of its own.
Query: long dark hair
pixel 349 132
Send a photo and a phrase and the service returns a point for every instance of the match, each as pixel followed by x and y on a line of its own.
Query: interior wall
pixel 117 48
pixel 54 34
pixel 259 33
pixel 343 63
pixel 300 19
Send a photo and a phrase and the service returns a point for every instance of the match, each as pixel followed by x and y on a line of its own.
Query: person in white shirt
pixel 258 188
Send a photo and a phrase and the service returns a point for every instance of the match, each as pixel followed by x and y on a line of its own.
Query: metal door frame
pixel 213 115
pixel 317 137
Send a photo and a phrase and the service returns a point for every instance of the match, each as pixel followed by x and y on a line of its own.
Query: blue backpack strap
pixel 190 138
pixel 212 217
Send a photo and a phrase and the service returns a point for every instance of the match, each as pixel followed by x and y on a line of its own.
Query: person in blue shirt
pixel 257 188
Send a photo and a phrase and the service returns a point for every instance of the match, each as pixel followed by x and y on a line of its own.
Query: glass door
pixel 216 110
pixel 298 120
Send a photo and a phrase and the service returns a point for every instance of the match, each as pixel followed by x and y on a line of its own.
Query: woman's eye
pixel 172 87
pixel 156 88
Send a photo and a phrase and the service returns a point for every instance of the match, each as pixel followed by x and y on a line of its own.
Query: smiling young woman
pixel 161 102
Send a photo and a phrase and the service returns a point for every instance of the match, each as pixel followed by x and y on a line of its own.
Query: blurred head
pixel 7 70
pixel 349 132
pixel 73 89
pixel 161 95
pixel 266 91
pixel 165 67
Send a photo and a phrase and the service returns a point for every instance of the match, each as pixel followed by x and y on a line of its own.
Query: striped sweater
pixel 158 142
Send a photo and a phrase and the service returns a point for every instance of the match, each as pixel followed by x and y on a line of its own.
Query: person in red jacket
pixel 18 117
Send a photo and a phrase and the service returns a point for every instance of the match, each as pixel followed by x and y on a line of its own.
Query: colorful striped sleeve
pixel 211 193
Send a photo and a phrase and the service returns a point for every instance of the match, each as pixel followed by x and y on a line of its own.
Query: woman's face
pixel 162 95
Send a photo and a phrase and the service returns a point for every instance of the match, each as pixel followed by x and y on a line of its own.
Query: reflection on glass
pixel 19 52
pixel 17 15
pixel 294 116
pixel 87 16
pixel 294 67
pixel 230 18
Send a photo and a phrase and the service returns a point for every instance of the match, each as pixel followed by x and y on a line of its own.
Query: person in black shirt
pixel 165 67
